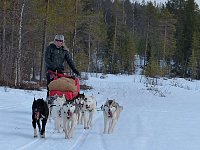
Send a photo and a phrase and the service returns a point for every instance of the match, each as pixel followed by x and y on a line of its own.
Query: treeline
pixel 102 35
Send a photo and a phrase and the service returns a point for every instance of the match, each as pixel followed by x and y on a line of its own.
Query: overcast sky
pixel 163 1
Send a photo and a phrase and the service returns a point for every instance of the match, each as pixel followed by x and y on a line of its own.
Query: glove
pixel 76 72
pixel 73 77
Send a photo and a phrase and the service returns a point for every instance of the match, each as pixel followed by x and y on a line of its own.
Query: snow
pixel 161 117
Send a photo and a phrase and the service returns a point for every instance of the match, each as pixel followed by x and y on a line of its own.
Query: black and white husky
pixel 40 113
pixel 69 117
pixel 89 109
pixel 56 113
pixel 111 111
pixel 79 100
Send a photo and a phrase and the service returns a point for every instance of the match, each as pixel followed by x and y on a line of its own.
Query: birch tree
pixel 44 36
pixel 18 78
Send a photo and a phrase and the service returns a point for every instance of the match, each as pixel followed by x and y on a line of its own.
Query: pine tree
pixel 167 34
pixel 192 71
pixel 153 68
pixel 194 59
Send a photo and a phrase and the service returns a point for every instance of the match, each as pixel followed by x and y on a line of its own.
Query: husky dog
pixel 111 112
pixel 79 107
pixel 69 117
pixel 89 108
pixel 40 112
pixel 56 112
pixel 50 101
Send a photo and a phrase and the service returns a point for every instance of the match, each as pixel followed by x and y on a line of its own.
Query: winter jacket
pixel 55 57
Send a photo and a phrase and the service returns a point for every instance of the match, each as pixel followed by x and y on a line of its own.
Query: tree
pixel 153 68
pixel 184 11
pixel 3 50
pixel 194 59
pixel 167 34
pixel 18 79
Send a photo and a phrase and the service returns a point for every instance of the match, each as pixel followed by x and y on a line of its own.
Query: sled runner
pixel 64 84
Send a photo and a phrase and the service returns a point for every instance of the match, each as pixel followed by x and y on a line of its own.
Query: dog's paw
pixel 105 132
pixel 35 136
pixel 110 131
pixel 67 137
pixel 35 133
pixel 42 136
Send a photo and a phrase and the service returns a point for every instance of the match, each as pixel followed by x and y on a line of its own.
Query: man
pixel 55 55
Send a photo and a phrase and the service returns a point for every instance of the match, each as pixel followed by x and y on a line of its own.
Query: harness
pixel 87 109
pixel 59 111
pixel 39 115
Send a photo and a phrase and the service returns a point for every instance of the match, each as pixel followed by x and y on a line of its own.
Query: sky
pixel 160 117
pixel 163 1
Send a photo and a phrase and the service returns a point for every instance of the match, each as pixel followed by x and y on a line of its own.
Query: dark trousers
pixel 48 77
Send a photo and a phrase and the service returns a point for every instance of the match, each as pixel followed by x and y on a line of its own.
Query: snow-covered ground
pixel 165 117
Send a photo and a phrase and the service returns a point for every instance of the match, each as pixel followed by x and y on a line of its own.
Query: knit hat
pixel 59 37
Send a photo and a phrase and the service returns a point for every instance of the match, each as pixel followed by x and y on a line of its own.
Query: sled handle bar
pixel 59 74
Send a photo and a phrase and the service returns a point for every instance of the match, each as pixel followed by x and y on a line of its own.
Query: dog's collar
pixel 90 110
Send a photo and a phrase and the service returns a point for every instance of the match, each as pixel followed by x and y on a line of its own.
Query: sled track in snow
pixel 10 107
pixel 77 143
pixel 25 104
pixel 83 136
pixel 80 140
pixel 37 141
pixel 29 144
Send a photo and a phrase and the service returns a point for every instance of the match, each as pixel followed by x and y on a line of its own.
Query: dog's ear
pixel 106 101
pixel 112 101
pixel 102 107
pixel 34 101
pixel 73 102
pixel 115 104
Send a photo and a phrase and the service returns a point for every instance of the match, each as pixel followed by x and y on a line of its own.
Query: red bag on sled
pixel 63 84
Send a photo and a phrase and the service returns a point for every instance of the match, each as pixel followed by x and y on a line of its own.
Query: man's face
pixel 58 43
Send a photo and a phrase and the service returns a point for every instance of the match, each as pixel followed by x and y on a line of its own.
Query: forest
pixel 103 36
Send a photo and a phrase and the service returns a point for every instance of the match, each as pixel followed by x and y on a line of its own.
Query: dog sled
pixel 62 84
